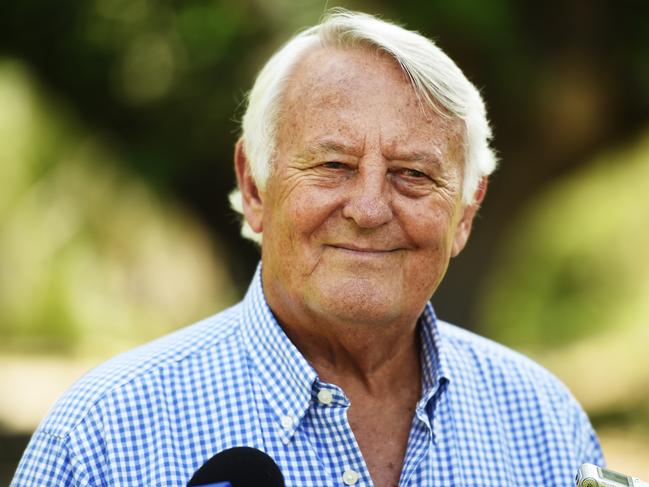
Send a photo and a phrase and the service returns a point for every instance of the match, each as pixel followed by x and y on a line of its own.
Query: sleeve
pixel 75 459
pixel 46 462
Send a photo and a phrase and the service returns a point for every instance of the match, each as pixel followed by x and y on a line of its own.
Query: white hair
pixel 436 79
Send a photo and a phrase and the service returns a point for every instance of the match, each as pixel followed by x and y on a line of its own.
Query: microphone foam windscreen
pixel 242 466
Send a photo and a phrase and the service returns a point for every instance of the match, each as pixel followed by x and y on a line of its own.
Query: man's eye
pixel 333 165
pixel 413 173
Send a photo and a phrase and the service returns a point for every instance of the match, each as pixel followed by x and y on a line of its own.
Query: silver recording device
pixel 593 476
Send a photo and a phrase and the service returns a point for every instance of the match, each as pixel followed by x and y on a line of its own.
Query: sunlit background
pixel 117 125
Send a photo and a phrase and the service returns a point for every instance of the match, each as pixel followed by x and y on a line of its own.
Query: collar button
pixel 325 397
pixel 287 422
pixel 350 477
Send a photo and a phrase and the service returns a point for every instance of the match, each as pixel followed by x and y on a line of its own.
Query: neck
pixel 358 356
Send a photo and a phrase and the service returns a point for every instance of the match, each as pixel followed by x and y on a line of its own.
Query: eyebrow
pixel 330 146
pixel 422 157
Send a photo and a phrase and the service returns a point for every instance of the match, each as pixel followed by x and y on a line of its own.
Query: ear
pixel 463 229
pixel 251 197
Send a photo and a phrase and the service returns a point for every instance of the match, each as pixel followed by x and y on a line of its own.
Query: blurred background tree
pixel 117 125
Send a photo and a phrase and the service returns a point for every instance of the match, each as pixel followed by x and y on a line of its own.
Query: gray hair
pixel 436 79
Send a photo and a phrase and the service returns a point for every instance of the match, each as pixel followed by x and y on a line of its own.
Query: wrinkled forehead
pixel 352 90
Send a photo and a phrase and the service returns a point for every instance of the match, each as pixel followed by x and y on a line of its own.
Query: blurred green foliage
pixel 90 258
pixel 576 261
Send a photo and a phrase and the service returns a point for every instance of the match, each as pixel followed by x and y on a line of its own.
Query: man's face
pixel 362 211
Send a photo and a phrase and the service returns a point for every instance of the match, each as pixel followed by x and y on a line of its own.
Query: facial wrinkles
pixel 385 134
pixel 291 181
pixel 374 194
pixel 368 212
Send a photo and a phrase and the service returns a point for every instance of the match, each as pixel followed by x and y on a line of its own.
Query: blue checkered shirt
pixel 487 415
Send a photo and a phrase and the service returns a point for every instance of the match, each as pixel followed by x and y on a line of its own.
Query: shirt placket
pixel 333 438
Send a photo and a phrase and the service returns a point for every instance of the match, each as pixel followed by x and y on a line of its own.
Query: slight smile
pixel 367 251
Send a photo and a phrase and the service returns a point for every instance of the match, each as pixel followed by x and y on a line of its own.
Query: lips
pixel 363 249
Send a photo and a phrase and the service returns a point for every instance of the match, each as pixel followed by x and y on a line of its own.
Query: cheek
pixel 295 220
pixel 430 232
pixel 310 210
pixel 430 228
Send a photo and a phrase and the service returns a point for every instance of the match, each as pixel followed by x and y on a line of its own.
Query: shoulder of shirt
pixel 168 351
pixel 497 362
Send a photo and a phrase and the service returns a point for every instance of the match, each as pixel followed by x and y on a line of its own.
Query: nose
pixel 369 202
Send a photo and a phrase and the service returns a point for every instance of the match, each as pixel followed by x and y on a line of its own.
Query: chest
pixel 457 443
pixel 382 433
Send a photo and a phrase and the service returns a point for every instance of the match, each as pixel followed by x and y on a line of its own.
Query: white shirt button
pixel 325 396
pixel 287 422
pixel 350 477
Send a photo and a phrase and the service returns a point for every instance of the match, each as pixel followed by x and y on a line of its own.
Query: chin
pixel 360 300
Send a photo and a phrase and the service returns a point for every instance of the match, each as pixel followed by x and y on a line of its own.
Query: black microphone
pixel 241 466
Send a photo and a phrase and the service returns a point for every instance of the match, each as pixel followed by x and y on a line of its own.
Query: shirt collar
pixel 288 379
pixel 434 359
pixel 286 376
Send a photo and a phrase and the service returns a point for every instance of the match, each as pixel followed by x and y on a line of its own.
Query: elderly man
pixel 363 161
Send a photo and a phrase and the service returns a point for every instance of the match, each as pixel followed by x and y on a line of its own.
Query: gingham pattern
pixel 487 417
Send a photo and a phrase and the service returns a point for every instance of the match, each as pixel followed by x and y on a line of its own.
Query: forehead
pixel 356 93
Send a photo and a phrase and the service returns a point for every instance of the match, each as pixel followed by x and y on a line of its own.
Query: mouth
pixel 361 250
